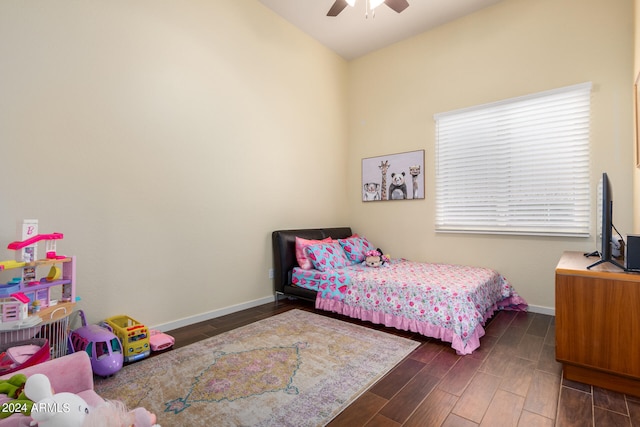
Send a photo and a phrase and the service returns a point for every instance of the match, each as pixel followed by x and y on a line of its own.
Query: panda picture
pixel 397 188
pixel 393 177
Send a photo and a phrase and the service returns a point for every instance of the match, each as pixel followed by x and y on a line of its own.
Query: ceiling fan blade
pixel 397 5
pixel 337 7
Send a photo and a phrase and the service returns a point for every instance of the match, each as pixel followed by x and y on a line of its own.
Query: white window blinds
pixel 518 166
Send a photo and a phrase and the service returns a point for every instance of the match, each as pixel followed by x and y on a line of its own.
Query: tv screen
pixel 605 221
pixel 605 212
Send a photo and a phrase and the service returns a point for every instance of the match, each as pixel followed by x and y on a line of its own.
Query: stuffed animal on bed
pixel 374 258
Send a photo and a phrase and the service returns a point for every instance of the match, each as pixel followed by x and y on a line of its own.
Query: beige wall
pixel 636 69
pixel 166 140
pixel 513 48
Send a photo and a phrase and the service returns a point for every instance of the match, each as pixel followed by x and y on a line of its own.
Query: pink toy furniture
pixel 71 373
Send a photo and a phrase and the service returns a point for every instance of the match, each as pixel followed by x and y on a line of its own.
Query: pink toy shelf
pixel 36 304
pixel 37 294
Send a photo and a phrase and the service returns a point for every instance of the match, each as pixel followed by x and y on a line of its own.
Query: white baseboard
pixel 551 311
pixel 186 321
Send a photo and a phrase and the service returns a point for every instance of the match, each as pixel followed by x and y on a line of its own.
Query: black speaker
pixel 633 252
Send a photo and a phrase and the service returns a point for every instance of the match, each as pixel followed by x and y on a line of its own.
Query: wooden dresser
pixel 598 323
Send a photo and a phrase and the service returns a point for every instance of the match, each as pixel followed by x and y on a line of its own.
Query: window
pixel 518 166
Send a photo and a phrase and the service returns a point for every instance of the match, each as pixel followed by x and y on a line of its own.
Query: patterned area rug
pixel 293 369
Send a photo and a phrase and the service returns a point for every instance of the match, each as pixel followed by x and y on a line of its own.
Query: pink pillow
pixel 301 255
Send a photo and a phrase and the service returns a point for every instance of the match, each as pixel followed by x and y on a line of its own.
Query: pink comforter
pixel 448 302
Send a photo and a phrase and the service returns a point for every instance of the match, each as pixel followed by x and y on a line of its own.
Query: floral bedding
pixel 444 301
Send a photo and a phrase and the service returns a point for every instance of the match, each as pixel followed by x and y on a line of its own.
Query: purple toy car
pixel 102 346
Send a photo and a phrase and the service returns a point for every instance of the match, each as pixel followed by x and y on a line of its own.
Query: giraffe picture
pixel 393 177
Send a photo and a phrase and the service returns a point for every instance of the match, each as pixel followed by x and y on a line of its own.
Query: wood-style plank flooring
pixel 512 380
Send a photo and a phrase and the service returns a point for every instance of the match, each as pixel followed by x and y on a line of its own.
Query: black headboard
pixel 284 256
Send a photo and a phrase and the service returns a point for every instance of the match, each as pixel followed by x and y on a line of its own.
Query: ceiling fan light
pixel 375 3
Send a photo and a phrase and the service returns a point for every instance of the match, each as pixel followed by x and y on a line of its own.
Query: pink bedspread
pixel 448 302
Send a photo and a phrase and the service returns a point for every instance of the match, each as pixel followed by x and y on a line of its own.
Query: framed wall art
pixel 393 177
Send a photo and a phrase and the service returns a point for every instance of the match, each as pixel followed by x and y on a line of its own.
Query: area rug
pixel 293 369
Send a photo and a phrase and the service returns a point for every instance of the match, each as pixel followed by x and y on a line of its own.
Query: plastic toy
pixel 29 299
pixel 11 264
pixel 14 308
pixel 102 346
pixel 21 354
pixel 27 229
pixel 160 341
pixel 54 273
pixel 54 410
pixel 27 294
pixel 50 242
pixel 133 335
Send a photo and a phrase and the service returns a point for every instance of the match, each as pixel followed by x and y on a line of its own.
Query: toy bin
pixel 55 328
pixel 133 335
pixel 12 335
pixel 22 354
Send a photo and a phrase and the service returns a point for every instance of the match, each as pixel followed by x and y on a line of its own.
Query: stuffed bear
pixel 398 188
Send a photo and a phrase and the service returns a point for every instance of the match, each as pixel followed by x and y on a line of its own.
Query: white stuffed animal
pixel 113 413
pixel 70 410
pixel 54 410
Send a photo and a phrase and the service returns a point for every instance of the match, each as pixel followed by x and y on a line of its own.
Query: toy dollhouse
pixel 14 308
pixel 26 299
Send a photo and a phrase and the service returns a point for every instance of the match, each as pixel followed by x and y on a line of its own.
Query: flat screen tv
pixel 605 221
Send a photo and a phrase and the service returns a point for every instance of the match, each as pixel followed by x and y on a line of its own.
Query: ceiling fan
pixel 339 5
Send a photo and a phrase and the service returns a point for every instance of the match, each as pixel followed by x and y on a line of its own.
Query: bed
pixel 444 301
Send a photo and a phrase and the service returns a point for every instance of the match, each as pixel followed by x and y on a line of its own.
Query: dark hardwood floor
pixel 511 380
